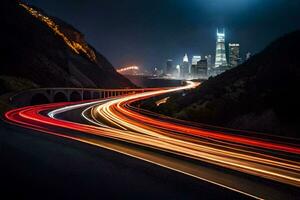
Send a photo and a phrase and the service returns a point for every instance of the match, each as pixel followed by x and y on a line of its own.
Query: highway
pixel 254 165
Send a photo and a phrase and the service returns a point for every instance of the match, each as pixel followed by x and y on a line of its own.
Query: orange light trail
pixel 118 120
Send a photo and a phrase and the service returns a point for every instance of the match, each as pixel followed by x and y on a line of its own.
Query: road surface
pixel 249 164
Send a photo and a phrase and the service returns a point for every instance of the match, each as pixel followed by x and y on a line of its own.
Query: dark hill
pixel 261 94
pixel 47 52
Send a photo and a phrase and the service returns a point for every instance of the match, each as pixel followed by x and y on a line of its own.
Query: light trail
pixel 239 160
pixel 115 119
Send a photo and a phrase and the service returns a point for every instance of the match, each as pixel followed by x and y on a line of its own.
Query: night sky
pixel 147 32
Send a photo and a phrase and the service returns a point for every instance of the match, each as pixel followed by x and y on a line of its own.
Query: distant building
pixel 195 60
pixel 155 72
pixel 248 55
pixel 234 55
pixel 185 67
pixel 202 69
pixel 194 71
pixel 177 72
pixel 185 58
pixel 220 50
pixel 209 61
pixel 169 68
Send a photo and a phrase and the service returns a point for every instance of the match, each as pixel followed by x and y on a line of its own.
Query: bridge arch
pixel 60 97
pixel 75 96
pixel 39 98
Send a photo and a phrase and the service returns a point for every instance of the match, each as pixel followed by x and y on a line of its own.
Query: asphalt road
pixel 36 165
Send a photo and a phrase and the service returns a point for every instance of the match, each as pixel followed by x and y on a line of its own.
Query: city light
pixel 131 70
pixel 128 68
pixel 202 67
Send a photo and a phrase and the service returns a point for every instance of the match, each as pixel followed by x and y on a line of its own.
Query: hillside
pixel 44 51
pixel 260 95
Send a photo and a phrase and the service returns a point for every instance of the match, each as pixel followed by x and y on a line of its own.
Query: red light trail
pixel 116 119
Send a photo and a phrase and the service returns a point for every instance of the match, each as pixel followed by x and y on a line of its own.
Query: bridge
pixel 52 95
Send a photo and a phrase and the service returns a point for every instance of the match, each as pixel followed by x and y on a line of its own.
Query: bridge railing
pixel 49 95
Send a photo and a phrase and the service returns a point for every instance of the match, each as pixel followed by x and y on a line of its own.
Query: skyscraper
pixel 234 54
pixel 220 50
pixel 202 69
pixel 185 67
pixel 169 68
pixel 186 58
pixel 195 60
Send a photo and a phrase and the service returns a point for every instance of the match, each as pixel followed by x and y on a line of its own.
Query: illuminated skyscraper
pixel 185 67
pixel 186 58
pixel 220 50
pixel 195 61
pixel 234 55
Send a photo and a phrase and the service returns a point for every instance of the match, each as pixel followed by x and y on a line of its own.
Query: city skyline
pixel 155 30
pixel 227 56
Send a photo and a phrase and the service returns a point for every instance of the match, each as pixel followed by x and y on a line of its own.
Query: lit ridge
pixel 75 46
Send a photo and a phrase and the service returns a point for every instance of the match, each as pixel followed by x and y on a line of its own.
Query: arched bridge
pixel 51 95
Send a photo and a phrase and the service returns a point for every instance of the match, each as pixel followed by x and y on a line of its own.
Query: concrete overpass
pixel 52 95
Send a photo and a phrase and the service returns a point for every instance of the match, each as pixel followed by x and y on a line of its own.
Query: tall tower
pixel 185 58
pixel 220 50
pixel 185 68
pixel 234 54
